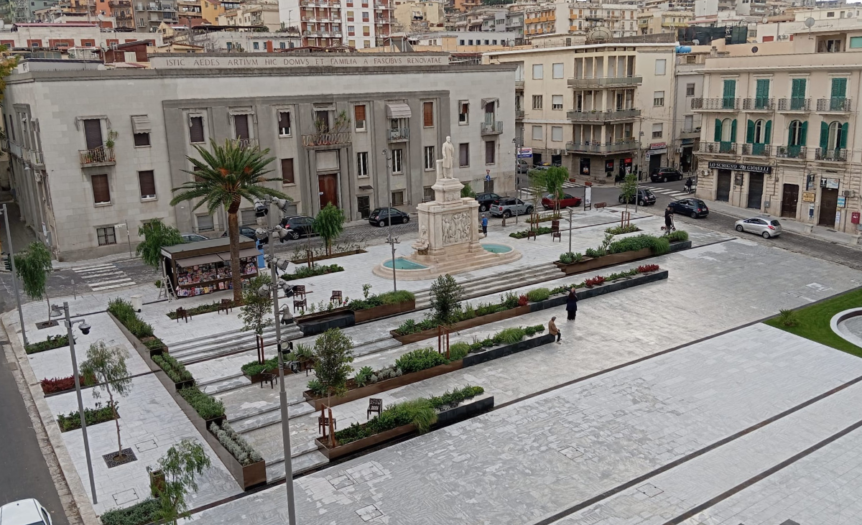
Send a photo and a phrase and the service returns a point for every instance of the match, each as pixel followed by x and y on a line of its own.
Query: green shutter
pixel 845 130
pixel 798 88
pixel 717 130
pixel 730 88
pixel 762 88
pixel 839 87
pixel 768 136
pixel 733 131
pixel 824 136
pixel 790 134
pixel 749 134
pixel 803 136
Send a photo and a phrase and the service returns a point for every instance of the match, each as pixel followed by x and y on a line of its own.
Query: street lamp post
pixel 517 175
pixel 390 239
pixel 570 229
pixel 14 276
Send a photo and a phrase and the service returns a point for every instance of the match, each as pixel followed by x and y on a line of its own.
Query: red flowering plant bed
pixel 62 384
pixel 598 280
pixel 523 300
pixel 646 268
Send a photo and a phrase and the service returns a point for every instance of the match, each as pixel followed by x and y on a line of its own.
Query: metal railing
pixel 398 135
pixel 603 116
pixel 492 128
pixel 791 152
pixel 325 139
pixel 519 113
pixel 718 147
pixel 841 105
pixel 835 155
pixel 247 143
pixel 760 150
pixel 794 104
pixel 715 104
pixel 597 147
pixel 519 84
pixel 583 83
pixel 758 104
pixel 97 156
pixel 37 158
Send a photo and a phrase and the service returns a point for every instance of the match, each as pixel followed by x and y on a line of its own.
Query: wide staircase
pixel 208 347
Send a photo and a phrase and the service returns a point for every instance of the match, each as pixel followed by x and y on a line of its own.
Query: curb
pixel 76 503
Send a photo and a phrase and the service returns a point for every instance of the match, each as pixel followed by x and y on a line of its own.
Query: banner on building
pixel 753 168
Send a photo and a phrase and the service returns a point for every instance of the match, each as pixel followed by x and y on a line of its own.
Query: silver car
pixel 509 206
pixel 766 228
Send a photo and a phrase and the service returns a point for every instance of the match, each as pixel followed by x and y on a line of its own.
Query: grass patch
pixel 812 322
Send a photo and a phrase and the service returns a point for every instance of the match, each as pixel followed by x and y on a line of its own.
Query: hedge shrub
pixel 53 341
pixel 206 406
pixel 139 514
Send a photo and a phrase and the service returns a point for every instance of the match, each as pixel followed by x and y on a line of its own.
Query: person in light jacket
pixel 572 304
pixel 553 330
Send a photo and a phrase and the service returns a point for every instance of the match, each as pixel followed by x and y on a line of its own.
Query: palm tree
pixel 227 175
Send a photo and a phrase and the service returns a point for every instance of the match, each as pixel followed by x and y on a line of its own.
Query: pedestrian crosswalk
pixel 103 277
pixel 677 194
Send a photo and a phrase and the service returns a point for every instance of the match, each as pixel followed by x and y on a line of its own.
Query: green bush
pixel 155 344
pixel 509 336
pixel 456 397
pixel 206 406
pixel 538 295
pixel 363 377
pixel 52 342
pixel 122 310
pixel 317 388
pixel 788 318
pixel 569 257
pixel 657 245
pixel 139 514
pixel 420 359
pixel 661 246
pixel 401 296
pixel 677 236
pixel 318 269
pixel 173 368
pixel 197 310
pixel 595 253
pixel 458 351
pixel 541 230
pixel 617 230
pixel 72 421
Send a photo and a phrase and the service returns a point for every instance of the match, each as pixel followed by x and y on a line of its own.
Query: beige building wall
pixel 429 12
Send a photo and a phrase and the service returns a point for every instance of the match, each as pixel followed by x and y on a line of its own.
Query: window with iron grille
pixel 657 130
pixel 658 98
pixel 427 194
pixel 557 102
pixel 205 223
pixel 106 235
pixel 537 101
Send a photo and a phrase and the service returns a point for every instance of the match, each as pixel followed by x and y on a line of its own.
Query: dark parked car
pixel 486 200
pixel 382 216
pixel 694 208
pixel 297 226
pixel 193 237
pixel 248 231
pixel 644 197
pixel 666 174
pixel 568 201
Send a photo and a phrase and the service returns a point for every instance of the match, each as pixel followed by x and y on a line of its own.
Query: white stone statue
pixel 448 159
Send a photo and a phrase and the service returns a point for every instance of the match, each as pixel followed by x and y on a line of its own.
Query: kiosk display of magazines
pixel 199 268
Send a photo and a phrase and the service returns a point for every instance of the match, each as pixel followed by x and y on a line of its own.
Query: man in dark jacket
pixel 572 305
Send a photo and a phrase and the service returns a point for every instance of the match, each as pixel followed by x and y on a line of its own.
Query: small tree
pixel 255 308
pixel 176 475
pixel 629 189
pixel 551 180
pixel 156 236
pixel 108 366
pixel 329 224
pixel 467 191
pixel 334 352
pixel 445 305
pixel 33 267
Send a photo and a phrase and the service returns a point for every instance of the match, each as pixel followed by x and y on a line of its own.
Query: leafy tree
pixel 334 352
pixel 467 191
pixel 177 473
pixel 33 267
pixel 629 189
pixel 255 308
pixel 7 64
pixel 551 181
pixel 329 224
pixel 108 366
pixel 227 175
pixel 156 236
pixel 445 304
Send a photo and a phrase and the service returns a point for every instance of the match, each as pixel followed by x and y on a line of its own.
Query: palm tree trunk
pixel 233 234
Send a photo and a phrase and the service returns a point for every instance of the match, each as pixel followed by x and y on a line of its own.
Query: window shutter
pixel 729 88
pixel 749 134
pixel 824 135
pixel 148 183
pixel 839 87
pixel 717 130
pixel 845 130
pixel 287 171
pixel 101 190
pixel 790 134
pixel 803 135
pixel 768 136
pixel 798 90
pixel 464 155
pixel 359 113
pixel 733 131
pixel 428 114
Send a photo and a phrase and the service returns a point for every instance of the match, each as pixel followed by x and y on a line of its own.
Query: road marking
pixel 102 288
pixel 102 277
pixel 100 283
pixel 99 267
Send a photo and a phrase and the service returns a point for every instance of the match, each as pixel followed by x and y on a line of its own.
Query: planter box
pixel 319 316
pixel 342 319
pixel 503 351
pixel 680 246
pixel 602 262
pixel 447 417
pixel 183 384
pixel 463 325
pixel 383 386
pixel 361 316
pixel 325 257
pixel 622 284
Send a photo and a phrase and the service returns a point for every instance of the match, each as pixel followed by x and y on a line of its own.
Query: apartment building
pixel 419 16
pixel 360 24
pixel 66 36
pixel 595 109
pixel 222 39
pixel 688 79
pixel 562 18
pixel 655 22
pixel 780 133
pixel 326 118
pixel 257 14
pixel 150 14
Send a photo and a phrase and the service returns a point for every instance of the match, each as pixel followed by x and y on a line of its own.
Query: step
pixel 308 461
pixel 178 349
pixel 230 347
pixel 225 385
pixel 496 283
pixel 271 415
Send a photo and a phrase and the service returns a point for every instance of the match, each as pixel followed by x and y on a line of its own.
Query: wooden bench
pixel 268 377
pixel 182 314
pixel 225 306
pixel 600 205
pixel 531 233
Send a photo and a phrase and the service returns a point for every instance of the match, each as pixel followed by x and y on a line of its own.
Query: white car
pixel 24 512
pixel 766 228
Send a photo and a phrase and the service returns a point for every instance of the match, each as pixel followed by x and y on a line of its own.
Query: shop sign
pixel 658 151
pixel 808 196
pixel 830 184
pixel 658 145
pixel 525 153
pixel 841 202
pixel 753 168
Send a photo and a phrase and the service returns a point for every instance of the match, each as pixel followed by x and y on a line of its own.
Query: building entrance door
pixel 755 190
pixel 328 187
pixel 723 186
pixel 654 163
pixel 789 200
pixel 93 133
pixel 828 207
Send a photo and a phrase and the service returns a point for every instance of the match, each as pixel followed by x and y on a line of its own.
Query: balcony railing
pixel 839 105
pixel 492 128
pixel 247 143
pixel 790 152
pixel 36 158
pixel 603 116
pixel 835 155
pixel 519 113
pixel 101 156
pixel 758 104
pixel 794 104
pixel 585 83
pixel 599 148
pixel 760 150
pixel 317 140
pixel 399 135
pixel 519 84
pixel 715 104
pixel 690 133
pixel 728 148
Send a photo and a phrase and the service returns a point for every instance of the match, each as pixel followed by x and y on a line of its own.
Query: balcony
pixel 247 143
pixel 758 104
pixel 601 149
pixel 325 140
pixel 690 134
pixel 724 148
pixel 519 114
pixel 378 6
pixel 715 104
pixel 794 105
pixel 790 152
pixel 603 116
pixel 832 155
pixel 492 128
pixel 757 150
pixel 36 158
pixel 519 85
pixel 591 83
pixel 398 135
pixel 101 156
pixel 833 105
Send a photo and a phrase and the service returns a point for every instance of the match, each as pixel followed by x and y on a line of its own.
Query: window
pixel 142 140
pixel 537 101
pixel 196 130
pixel 428 114
pixel 558 70
pixel 397 198
pixel 490 149
pixel 351 42
pixel 106 235
pixel 688 125
pixel 796 137
pixel 430 161
pixel 366 43
pixel 461 42
pixel 427 194
pixel 537 132
pixel 835 136
pixel 689 90
pixel 101 190
pixel 556 133
pixel 255 45
pixel 538 72
pixel 287 171
pixel 205 223
pixel 281 45
pixel 397 160
pixel 351 31
pixel 463 112
pixel 283 124
pixel 658 98
pixel 362 164
pixel 365 16
pixel 366 31
pixel 727 130
pixel 147 181
pixel 359 116
pixel 350 16
pixel 855 42
pixel 657 130
pixel 464 154
pixel 557 102
pixel 660 65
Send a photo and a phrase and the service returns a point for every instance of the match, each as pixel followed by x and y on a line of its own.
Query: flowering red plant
pixel 61 384
pixel 595 281
pixel 647 268
pixel 523 301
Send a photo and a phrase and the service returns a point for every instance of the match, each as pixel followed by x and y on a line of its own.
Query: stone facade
pixel 220 97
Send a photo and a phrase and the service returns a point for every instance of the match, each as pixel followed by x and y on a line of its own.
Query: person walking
pixel 485 225
pixel 572 304
pixel 668 220
pixel 553 330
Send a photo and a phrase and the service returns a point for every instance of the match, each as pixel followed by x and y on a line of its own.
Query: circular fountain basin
pixel 403 264
pixel 497 248
pixel 848 325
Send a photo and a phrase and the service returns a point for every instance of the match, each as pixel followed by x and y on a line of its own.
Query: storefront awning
pixel 194 261
pixel 248 252
pixel 398 111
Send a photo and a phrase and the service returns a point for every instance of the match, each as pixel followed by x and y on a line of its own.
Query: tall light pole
pixel 570 229
pixel 14 276
pixel 517 175
pixel 390 239
pixel 85 328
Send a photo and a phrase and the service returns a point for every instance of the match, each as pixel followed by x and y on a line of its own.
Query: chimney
pixel 269 46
